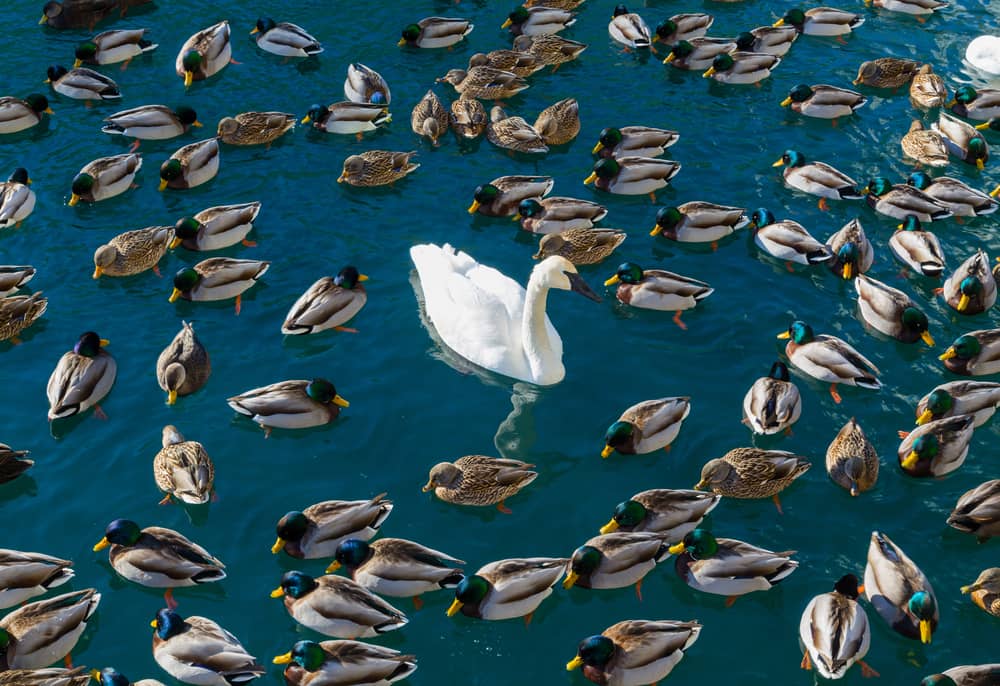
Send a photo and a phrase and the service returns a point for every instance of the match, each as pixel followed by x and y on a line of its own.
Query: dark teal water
pixel 409 410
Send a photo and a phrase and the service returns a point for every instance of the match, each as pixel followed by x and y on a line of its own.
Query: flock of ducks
pixel 490 320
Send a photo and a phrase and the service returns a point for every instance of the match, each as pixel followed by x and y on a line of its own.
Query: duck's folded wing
pixel 516 579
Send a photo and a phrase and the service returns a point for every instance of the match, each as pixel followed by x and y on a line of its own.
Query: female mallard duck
pixel 817 178
pixel 752 473
pixel 109 676
pixel 435 32
pixel 298 404
pixel 204 54
pixel 485 83
pixel 183 469
pixel 467 118
pixel 14 277
pixel 555 214
pixel 962 200
pixel 978 398
pixel 17 200
pixel 834 631
pixel 891 312
pixel 254 128
pixel 479 480
pixel 823 102
pixel 962 140
pixel 26 575
pixel 886 72
pixel 559 123
pixel 667 512
pixel 337 607
pixel 852 251
pixel 899 591
pixel 742 67
pixel 216 227
pixel 580 246
pixel 217 278
pixel 285 39
pixel 916 248
pixel 12 465
pixel 538 21
pixel 151 122
pixel 366 86
pixel 616 560
pixel 513 133
pixel 977 511
pixel 82 378
pixel 347 117
pixel 197 650
pixel 502 196
pixel 317 530
pixel 515 61
pixel 429 117
pixel 936 448
pixel 656 289
pixel 156 557
pixel 964 675
pixel 786 240
pixel 636 651
pixel 829 358
pixel 328 304
pixel 851 460
pixel 927 90
pixel 632 175
pixel 105 178
pixel 634 141
pixel 918 8
pixel 628 29
pixel 191 165
pixel 699 222
pixel 18 115
pixel 900 201
pixel 976 353
pixel 726 566
pixel 646 427
pixel 348 663
pixel 111 47
pixel 773 403
pixel 977 104
pixel 133 252
pixel 82 84
pixel 550 48
pixel 821 21
pixel 52 676
pixel 924 145
pixel 971 289
pixel 683 27
pixel 697 54
pixel 510 588
pixel 183 367
pixel 773 40
pixel 985 592
pixel 76 14
pixel 18 312
pixel 45 631
pixel 377 167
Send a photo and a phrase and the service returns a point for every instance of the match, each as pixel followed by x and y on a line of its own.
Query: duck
pixel 479 480
pixel 628 29
pixel 151 122
pixel 958 197
pixel 773 402
pixel 821 21
pixel 183 469
pixel 105 178
pixel 927 90
pixel 634 141
pixel 936 448
pixel 14 277
pixel 773 40
pixel 683 27
pixel 980 104
pixel 918 249
pixel 697 54
pixel 964 675
pixel 632 175
pixel 350 663
pixel 366 86
pixel 468 118
pixel 670 513
pixel 191 165
pixel 559 123
pixel 985 592
pixel 890 311
pixel 580 246
pixel 886 72
pixel 25 575
pixel 976 353
pixel 752 473
pixel 516 62
pixel 45 631
pixel 978 398
pixel 729 567
pixel 513 133
pixel 82 377
pixel 217 278
pixel 657 289
pixel 976 511
pixel 646 427
pixel 198 650
pixel 556 213
pixel 255 128
pixel 13 464
pixel 18 312
pixel 347 117
pixel 133 252
pixel 337 607
pixel 377 168
pixel 635 651
pixel 742 67
pixel 294 404
pixel 82 84
pixel 917 8
pixel 429 117
pixel 786 240
pixel 486 83
pixel 217 227
pixel 109 676
pixel 829 358
pixel 204 54
pixel 17 200
pixel 823 101
pixel 834 631
pixel 899 591
pixel 971 289
pixel 699 222
pixel 851 460
pixel 538 21
pixel 502 196
pixel 285 39
pixel 183 367
pixel 926 146
pixel 900 201
pixel 817 178
pixel 328 304
pixel 111 47
pixel 316 531
pixel 852 251
pixel 616 560
pixel 17 114
pixel 509 588
pixel 962 140
pixel 76 14
pixel 489 319
pixel 51 676
pixel 550 49
pixel 435 32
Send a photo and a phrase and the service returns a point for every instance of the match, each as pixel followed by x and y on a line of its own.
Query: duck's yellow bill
pixel 779 163
pixel 856 81
pixel 982 127
pixel 278 545
pixel 925 417
pixel 401 43
pixel 612 281
pixel 163 185
pixel 104 342
pixel 963 303
pixel 516 217
pixel 968 589
pixel 362 277
pixel 97 272
pixel 925 631
pixel 700 485
pixel 948 354
pixel 786 102
pixel 174 243
pixel 597 148
pixel 656 230
pixel 428 486
pixel 171 397
pixel 332 567
pixel 282 659
pixel 473 207
pixel 76 63
pixel 910 460
pixel 590 179
pixel 668 59
pixel 73 199
pixel 677 549
pixel 101 544
pixel 574 663
pixel 506 23
pixel 278 592
pixel 342 177
pixel 305 120
pixel 455 606
pixel 606 452
pixel 188 78
pixel 995 192
pixel 980 165
pixel 197 123
pixel 570 579
pixel 340 402
pixel 708 73
pixel 848 271
pixel 927 338
pixel 95 675
pixel 44 19
pixel 153 624
pixel 610 527
pixel 256 30
pixel 780 22
pixel 48 110
pixel 174 295
pixel 47 81
pixel 784 334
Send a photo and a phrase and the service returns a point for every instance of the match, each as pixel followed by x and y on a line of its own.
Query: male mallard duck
pixel 834 631
pixel 699 222
pixel 555 214
pixel 891 311
pixel 45 631
pixel 646 427
pixel 285 39
pixel 683 27
pixel 550 48
pixel 667 512
pixel 852 251
pixel 742 67
pixel 348 663
pixel 978 512
pixel 485 83
pixel 634 141
pixel 377 167
pixel 752 473
pixel 435 32
pixel 17 200
pixel 297 404
pixel 366 86
pixel 962 140
pixel 467 118
pixel 151 122
pixel 347 117
pixel 985 592
pixel 18 312
pixel 429 117
pixel 829 358
pixel 899 591
pixel 183 367
pixel 616 560
pixel 111 47
pixel 328 304
pixel 14 277
pixel 773 403
pixel 52 676
pixel 580 246
pixel 886 72
pixel 515 61
pixel 217 278
pixel 199 651
pixel 254 128
pixel 82 377
pixel 628 29
pixel 337 607
pixel 76 14
pixel 817 178
pixel 559 123
pixel 216 227
pixel 502 196
pixel 317 530
pixel 917 8
pixel 917 248
pixel 978 398
pixel 18 115
pixel 971 289
pixel 900 201
pixel 786 240
pixel 26 575
pixel 513 133
pixel 183 469
pixel 82 84
pixel 632 175
pixel 823 102
pixel 133 252
pixel 851 460
pixel 105 178
pixel 204 54
pixel 962 200
pixel 12 465
pixel 109 676
pixel 976 353
pixel 538 21
pixel 964 675
pixel 936 448
pixel 927 89
pixel 656 289
pixel 510 588
pixel 479 480
pixel 636 651
pixel 191 165
pixel 822 21
pixel 980 105
pixel 773 40
pixel 697 54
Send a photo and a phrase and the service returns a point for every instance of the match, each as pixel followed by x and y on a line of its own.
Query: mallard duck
pixel 829 358
pixel 317 530
pixel 216 227
pixel 773 403
pixel 914 7
pixel 971 289
pixel 628 29
pixel 636 651
pixel 667 512
pixel 726 566
pixel 786 240
pixel 510 588
pixel 851 460
pixel 823 102
pixel 927 89
pixel 14 277
pixel 555 214
pixel 109 676
pixel 297 404
pixel 936 448
pixel 350 663
pixel 435 32
pixel 699 222
pixel 926 146
pixel 985 591
pixel 980 104
pixel 558 4
pixel 13 464
pixel 479 480
pixel 328 304
pixel 285 39
pixel 366 86
pixel 656 289
pixel 852 251
pixel 891 311
pixel 347 117
pixel 337 607
pixel 513 133
pixel 978 398
pixel 515 61
pixel 105 178
pixel 82 377
pixel 204 54
pixel 752 473
pixel 18 312
pixel 632 175
pixel 111 47
pixel 976 353
pixel 502 196
pixel 538 21
pixel 899 591
pixel 978 512
pixel 191 165
pixel 559 123
pixel 834 631
pixel 486 83
pixel 634 141
pixel 580 246
pixel 377 167
pixel 742 67
pixel 254 128
pixel 821 21
pixel 646 427
pixel 886 72
pixel 616 560
pixel 467 118
pixel 217 278
pixel 82 84
pixel 962 140
pixel 962 200
pixel 151 122
pixel 900 201
pixel 17 200
pixel 199 651
pixel 26 575
pixel 683 27
pixel 133 252
pixel 76 14
pixel 916 248
pixel 773 40
pixel 550 48
pixel 698 54
pixel 965 675
pixel 52 676
pixel 817 178
pixel 429 117
pixel 183 469
pixel 18 115
pixel 45 631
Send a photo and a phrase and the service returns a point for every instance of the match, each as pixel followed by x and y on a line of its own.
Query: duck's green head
pixel 939 403
pixel 349 277
pixel 308 655
pixel 916 322
pixel 594 651
pixel 410 34
pixel 665 29
pixel 529 207
pixel 109 676
pixel 55 72
pixel 291 528
pixel 263 25
pixel 38 103
pixel 970 287
pixel 20 175
pixel 919 179
pixel 315 113
pixel 680 50
pixel 295 584
pixel 965 347
pixel 627 514
pixel 483 195
pixel 849 256
pixel 169 171
pixel 191 62
pixel 618 434
pixel 470 591
pixel 518 16
pixel 795 17
pixel 791 158
pixel 628 272
pixel 119 532
pixel 911 222
pixel 584 562
pixel 700 544
pixel 184 280
pixel 84 52
pixel 83 184
pixel 89 344
pixel 167 624
pixel 779 371
pixel 187 116
pixel 924 448
pixel 847 586
pixel 666 219
pixel 723 62
pixel 609 138
pixel 186 227
pixel 923 607
pixel 351 554
pixel 605 169
pixel 965 94
pixel 799 93
pixel 800 333
pixel 879 186
pixel 977 152
pixel 745 41
pixel 619 10
pixel 761 217
pixel 323 391
pixel 938 680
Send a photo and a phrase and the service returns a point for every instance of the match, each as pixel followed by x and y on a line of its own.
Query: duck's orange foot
pixel 730 600
pixel 777 503
pixel 166 500
pixel 99 413
pixel 678 322
pixel 503 508
pixel 638 590
pixel 418 602
pixel 866 671
pixel 834 394
pixel 902 434
pixel 345 329
pixel 823 205
pixel 168 598
pixel 249 244
pixel 806 663
pixel 239 304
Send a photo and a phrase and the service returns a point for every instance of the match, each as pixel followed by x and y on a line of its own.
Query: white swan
pixel 489 319
pixel 984 53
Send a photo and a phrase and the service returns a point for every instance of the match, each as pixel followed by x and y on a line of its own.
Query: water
pixel 409 410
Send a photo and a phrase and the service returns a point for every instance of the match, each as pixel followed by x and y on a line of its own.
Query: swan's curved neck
pixel 545 363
